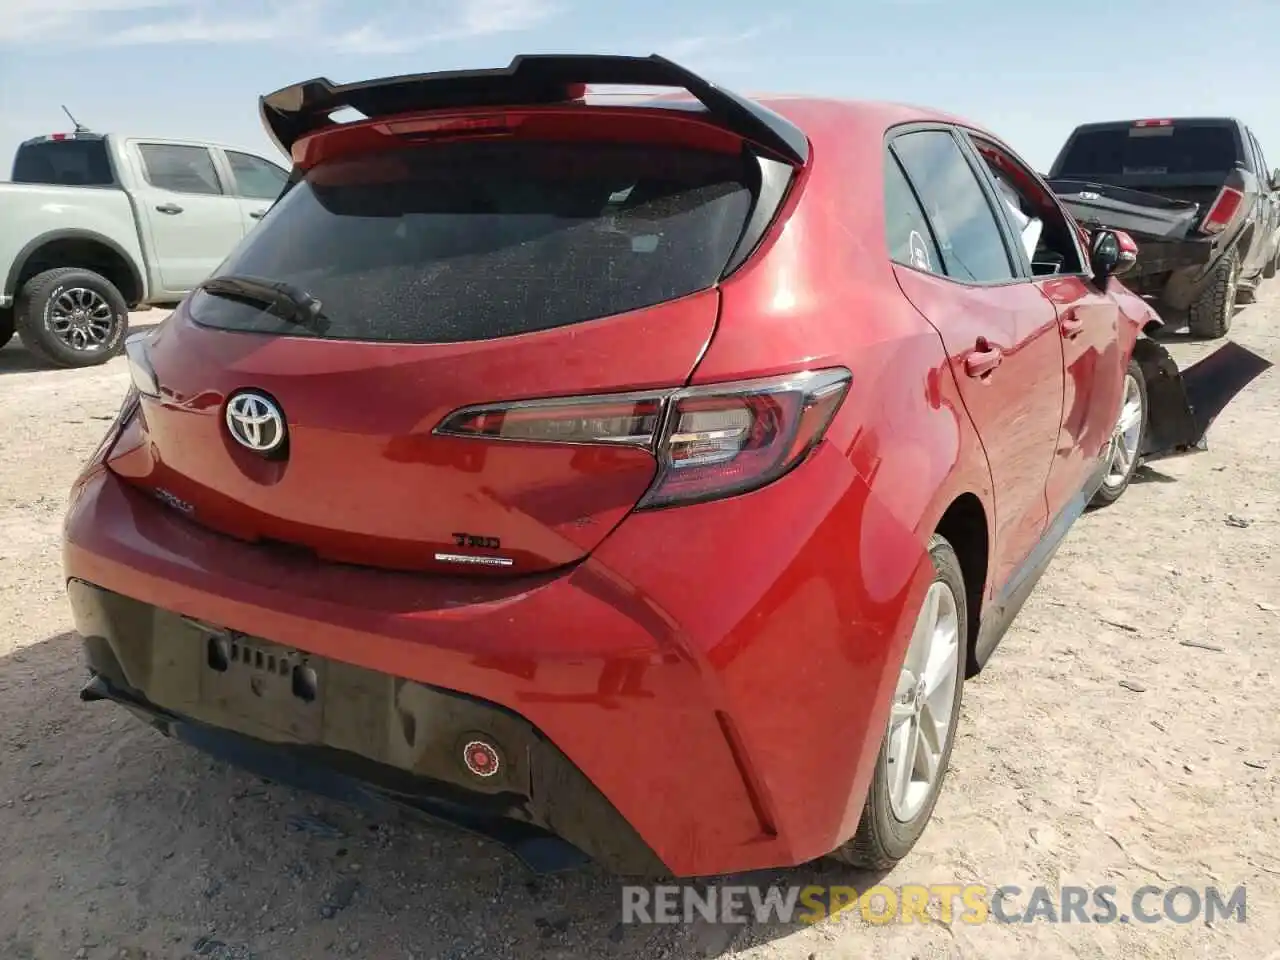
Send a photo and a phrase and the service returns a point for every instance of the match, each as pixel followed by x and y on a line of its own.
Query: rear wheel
pixel 1269 270
pixel 72 317
pixel 6 325
pixel 1210 316
pixel 1122 453
pixel 922 720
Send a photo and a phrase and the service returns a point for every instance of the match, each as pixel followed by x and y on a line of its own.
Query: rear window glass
pixel 75 163
pixel 1151 151
pixel 475 240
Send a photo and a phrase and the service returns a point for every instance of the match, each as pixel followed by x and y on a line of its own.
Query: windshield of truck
pixel 71 163
pixel 480 239
pixel 1175 149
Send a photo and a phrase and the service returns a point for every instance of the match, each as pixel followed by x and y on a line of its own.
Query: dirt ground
pixel 1122 735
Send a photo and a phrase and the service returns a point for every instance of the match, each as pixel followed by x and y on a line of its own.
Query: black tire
pixel 1210 316
pixel 1111 490
pixel 882 839
pixel 1269 270
pixel 6 325
pixel 34 314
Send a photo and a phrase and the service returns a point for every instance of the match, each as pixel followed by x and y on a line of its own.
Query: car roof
pixel 814 115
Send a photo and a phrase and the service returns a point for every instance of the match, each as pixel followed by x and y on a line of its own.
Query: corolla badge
pixel 255 421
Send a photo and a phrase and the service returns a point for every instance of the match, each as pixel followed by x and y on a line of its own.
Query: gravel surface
pixel 1124 734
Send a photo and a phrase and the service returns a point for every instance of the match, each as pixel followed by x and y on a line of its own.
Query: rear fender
pixel 1181 405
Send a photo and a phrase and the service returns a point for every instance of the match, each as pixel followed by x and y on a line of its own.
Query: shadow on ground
pixel 16 358
pixel 131 845
pixel 1146 474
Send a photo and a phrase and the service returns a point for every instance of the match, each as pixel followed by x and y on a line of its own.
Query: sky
pixel 195 68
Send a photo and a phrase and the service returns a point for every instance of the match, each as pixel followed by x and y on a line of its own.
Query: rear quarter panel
pixel 839 566
pixel 34 211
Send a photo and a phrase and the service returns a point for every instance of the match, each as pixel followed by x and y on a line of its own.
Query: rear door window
pixel 179 168
pixel 968 235
pixel 1263 170
pixel 255 178
pixel 906 230
pixel 481 239
pixel 1176 149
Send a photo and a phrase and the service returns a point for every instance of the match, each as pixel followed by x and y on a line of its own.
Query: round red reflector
pixel 481 758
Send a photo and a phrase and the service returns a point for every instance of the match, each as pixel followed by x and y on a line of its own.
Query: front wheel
pixel 917 746
pixel 6 325
pixel 1123 451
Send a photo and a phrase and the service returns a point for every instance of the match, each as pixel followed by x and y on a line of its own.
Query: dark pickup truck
pixel 1197 195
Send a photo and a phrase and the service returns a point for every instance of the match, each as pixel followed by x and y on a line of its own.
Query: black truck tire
pixel 6 325
pixel 1269 270
pixel 48 296
pixel 1210 316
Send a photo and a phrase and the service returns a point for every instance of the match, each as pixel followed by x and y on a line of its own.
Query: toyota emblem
pixel 255 422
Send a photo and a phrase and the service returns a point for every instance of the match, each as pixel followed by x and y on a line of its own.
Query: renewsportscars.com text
pixel 918 903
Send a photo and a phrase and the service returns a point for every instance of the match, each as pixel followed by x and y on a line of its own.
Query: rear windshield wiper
pixel 291 304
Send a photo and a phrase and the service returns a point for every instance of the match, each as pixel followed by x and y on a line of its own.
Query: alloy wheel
pixel 1126 436
pixel 82 319
pixel 920 723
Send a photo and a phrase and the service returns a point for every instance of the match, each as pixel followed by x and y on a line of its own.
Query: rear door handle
pixel 258 214
pixel 169 208
pixel 1071 325
pixel 983 360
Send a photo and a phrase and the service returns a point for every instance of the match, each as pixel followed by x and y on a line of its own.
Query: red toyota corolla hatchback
pixel 631 477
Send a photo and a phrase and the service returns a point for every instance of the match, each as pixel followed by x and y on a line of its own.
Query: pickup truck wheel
pixel 1210 316
pixel 1269 270
pixel 72 317
pixel 6 325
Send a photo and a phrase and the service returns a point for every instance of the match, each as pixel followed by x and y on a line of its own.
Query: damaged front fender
pixel 1181 405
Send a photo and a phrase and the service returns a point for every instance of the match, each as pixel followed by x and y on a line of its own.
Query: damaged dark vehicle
pixel 1195 193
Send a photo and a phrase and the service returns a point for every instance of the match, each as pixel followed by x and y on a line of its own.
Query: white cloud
pixel 719 52
pixel 199 26
pixel 58 19
pixel 322 23
pixel 479 18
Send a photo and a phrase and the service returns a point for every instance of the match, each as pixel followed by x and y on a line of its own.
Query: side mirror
pixel 1112 253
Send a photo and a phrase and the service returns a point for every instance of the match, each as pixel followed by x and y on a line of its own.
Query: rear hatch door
pixel 448 275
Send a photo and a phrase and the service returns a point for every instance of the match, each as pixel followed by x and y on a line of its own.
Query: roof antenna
pixel 80 128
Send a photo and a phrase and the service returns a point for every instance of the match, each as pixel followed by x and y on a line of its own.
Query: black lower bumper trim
pixel 376 740
pixel 539 850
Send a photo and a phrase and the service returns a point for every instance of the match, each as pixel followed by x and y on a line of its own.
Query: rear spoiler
pixel 293 112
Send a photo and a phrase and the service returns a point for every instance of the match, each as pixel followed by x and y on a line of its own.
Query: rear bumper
pixel 372 737
pixel 707 710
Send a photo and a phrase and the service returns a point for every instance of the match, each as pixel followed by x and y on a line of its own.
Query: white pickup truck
pixel 94 225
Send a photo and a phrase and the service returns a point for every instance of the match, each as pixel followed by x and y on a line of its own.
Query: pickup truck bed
pixel 1162 226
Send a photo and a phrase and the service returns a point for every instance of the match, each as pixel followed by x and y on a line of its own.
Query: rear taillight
pixel 1223 210
pixel 631 419
pixel 1153 123
pixel 710 441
